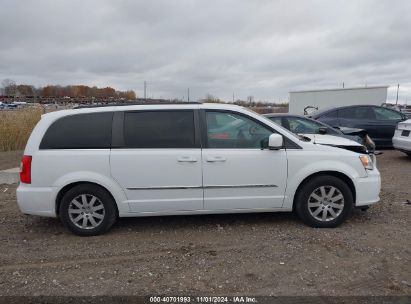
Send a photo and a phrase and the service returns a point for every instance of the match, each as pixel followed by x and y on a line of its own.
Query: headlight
pixel 366 162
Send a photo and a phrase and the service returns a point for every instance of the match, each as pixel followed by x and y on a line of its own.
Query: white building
pixel 321 99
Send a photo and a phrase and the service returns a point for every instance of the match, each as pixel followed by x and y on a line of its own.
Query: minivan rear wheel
pixel 324 202
pixel 87 210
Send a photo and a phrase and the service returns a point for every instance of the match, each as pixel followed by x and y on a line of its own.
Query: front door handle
pixel 214 159
pixel 187 159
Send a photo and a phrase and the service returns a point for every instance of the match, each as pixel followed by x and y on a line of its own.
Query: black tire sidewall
pixel 108 202
pixel 316 182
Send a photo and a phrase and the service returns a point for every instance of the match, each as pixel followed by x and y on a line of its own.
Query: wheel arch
pixel 67 187
pixel 345 178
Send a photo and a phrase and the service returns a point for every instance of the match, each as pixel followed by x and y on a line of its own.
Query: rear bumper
pixel 368 188
pixel 36 201
pixel 402 143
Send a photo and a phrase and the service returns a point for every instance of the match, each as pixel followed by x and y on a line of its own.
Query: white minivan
pixel 92 165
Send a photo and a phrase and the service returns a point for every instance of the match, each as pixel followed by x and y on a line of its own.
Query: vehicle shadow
pixel 191 223
pixel 157 224
pixel 204 222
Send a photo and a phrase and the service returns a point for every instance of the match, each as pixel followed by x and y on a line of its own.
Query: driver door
pixel 237 173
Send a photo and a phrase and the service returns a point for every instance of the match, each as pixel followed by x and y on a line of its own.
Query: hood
pixel 336 141
pixel 352 131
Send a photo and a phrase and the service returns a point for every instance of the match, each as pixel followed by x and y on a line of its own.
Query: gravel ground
pixel 246 254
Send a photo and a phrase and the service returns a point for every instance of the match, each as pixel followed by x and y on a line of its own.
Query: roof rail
pixel 135 104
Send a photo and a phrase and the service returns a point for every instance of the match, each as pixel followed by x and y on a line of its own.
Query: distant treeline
pixel 249 103
pixel 10 88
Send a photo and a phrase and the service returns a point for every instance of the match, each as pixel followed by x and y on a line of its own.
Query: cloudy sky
pixel 259 48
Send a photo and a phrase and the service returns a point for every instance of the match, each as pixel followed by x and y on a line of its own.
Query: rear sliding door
pixel 158 160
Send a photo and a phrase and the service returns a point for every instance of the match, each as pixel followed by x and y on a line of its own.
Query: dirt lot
pixel 254 254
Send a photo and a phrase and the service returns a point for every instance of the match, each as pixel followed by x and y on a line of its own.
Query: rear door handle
pixel 187 159
pixel 214 159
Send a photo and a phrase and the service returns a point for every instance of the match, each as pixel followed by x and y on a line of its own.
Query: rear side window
pixel 357 113
pixel 81 131
pixel 159 129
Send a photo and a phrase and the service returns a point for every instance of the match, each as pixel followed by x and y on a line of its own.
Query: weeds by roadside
pixel 16 127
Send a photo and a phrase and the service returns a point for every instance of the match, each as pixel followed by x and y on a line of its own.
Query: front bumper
pixel 368 188
pixel 36 200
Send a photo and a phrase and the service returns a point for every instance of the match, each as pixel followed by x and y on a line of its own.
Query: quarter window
pixel 159 129
pixel 228 130
pixel 80 131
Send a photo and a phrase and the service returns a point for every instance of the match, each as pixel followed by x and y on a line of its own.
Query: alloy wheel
pixel 86 211
pixel 326 203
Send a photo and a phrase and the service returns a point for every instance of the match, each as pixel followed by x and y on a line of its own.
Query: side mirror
pixel 275 141
pixel 322 130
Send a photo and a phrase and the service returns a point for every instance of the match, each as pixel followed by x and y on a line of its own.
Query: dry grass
pixel 16 126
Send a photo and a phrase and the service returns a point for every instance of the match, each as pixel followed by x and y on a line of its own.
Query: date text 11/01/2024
pixel 221 299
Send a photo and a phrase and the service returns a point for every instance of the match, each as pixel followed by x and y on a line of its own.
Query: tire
pixel 87 210
pixel 311 203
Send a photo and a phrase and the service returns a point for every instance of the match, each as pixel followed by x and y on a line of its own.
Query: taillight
pixel 25 170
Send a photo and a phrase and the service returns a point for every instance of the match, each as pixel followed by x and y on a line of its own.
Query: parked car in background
pixel 379 122
pixel 8 106
pixel 402 137
pixel 90 166
pixel 325 133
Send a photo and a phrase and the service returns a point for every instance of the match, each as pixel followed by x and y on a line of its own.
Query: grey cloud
pixel 259 48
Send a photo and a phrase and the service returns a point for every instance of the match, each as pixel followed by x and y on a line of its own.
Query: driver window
pixel 228 130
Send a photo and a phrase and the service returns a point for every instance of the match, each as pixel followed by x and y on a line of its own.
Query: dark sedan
pixel 379 122
pixel 303 125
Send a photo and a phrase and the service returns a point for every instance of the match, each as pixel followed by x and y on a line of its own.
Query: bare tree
pixel 211 99
pixel 9 87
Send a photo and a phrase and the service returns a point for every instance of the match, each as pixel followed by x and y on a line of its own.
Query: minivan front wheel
pixel 87 210
pixel 324 202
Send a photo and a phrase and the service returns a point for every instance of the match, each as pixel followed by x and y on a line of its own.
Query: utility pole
pixel 398 88
pixel 145 90
pixel 343 85
pixel 233 97
pixel 188 94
